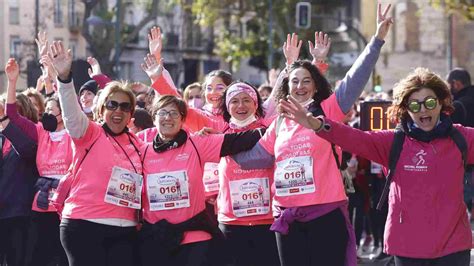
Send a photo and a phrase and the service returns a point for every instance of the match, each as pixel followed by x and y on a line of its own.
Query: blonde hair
pixel 418 79
pixel 110 89
pixel 195 85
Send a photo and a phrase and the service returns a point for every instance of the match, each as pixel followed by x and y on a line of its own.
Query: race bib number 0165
pixel 167 191
pixel 250 196
pixel 124 188
pixel 294 176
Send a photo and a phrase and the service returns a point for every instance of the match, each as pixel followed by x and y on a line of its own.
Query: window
pixel 15 47
pixel 73 46
pixel 58 15
pixel 14 12
pixel 72 13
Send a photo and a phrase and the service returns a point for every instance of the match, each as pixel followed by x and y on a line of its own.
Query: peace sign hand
pixel 383 22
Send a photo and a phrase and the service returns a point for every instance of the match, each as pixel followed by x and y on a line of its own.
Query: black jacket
pixel 464 107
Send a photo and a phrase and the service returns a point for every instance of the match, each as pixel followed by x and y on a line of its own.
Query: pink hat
pixel 237 88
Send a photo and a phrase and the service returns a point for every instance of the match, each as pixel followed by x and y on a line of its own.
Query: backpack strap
pixel 461 143
pixel 395 151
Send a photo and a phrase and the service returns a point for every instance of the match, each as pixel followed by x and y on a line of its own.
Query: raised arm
pixel 319 50
pixel 95 73
pixel 373 145
pixel 28 127
pixel 161 81
pixel 75 121
pixel 356 78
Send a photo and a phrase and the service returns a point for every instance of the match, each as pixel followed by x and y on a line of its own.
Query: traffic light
pixel 303 15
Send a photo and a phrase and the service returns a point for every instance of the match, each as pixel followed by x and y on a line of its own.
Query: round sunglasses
pixel 429 102
pixel 114 105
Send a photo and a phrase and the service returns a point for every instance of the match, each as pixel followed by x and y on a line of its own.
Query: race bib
pixel 167 191
pixel 124 188
pixel 211 177
pixel 294 176
pixel 250 196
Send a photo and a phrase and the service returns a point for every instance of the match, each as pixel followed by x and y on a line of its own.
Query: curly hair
pixel 322 84
pixel 418 79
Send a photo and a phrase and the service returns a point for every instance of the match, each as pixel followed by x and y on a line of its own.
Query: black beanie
pixel 90 85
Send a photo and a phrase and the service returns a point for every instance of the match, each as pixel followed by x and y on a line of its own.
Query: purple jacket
pixel 427 216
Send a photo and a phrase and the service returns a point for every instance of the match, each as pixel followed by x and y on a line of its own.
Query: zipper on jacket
pixel 401 216
pixel 433 147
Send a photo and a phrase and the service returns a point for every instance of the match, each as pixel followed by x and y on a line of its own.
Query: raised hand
pixel 12 70
pixel 291 48
pixel 272 76
pixel 383 22
pixel 42 43
pixel 293 110
pixel 152 67
pixel 321 46
pixel 95 67
pixel 60 59
pixel 155 43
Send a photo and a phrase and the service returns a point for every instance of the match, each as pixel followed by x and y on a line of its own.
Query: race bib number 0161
pixel 250 196
pixel 124 188
pixel 167 191
pixel 294 176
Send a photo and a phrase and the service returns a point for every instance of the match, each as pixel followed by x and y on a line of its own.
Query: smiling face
pixel 425 119
pixel 117 119
pixel 87 98
pixel 168 121
pixel 302 85
pixel 241 106
pixel 214 90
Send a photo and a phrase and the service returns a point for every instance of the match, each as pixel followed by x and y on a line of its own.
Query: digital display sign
pixel 373 116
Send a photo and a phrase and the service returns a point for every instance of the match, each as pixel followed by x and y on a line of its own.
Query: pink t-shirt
pixel 54 157
pixel 88 190
pixel 173 188
pixel 147 135
pixel 305 169
pixel 244 195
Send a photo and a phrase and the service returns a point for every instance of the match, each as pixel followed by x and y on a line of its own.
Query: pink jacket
pixel 427 216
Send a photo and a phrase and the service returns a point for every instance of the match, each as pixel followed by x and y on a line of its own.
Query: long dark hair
pixel 322 84
pixel 225 112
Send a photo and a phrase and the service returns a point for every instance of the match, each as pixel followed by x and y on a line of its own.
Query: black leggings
pixel 250 245
pixel 13 240
pixel 461 258
pixel 321 242
pixel 47 249
pixel 87 243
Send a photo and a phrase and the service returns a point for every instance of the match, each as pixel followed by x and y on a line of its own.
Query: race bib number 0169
pixel 250 196
pixel 124 188
pixel 167 191
pixel 294 176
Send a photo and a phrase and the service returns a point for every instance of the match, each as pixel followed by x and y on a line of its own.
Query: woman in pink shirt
pixel 177 229
pixel 427 223
pixel 310 205
pixel 53 161
pixel 102 194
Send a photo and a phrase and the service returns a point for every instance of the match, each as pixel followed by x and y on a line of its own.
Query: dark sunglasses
pixel 114 105
pixel 430 103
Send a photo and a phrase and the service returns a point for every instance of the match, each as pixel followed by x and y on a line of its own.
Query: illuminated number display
pixel 373 116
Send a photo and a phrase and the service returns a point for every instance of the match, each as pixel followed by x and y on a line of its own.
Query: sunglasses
pixel 172 114
pixel 114 105
pixel 430 103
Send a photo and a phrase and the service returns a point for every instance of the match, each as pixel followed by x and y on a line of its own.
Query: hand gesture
pixel 291 48
pixel 272 76
pixel 155 43
pixel 383 22
pixel 60 59
pixel 152 67
pixel 293 110
pixel 12 70
pixel 95 67
pixel 321 46
pixel 42 43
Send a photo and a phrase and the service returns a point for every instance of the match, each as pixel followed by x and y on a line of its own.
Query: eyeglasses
pixel 173 114
pixel 114 105
pixel 430 103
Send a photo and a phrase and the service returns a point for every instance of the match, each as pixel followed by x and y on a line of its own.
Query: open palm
pixel 60 59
